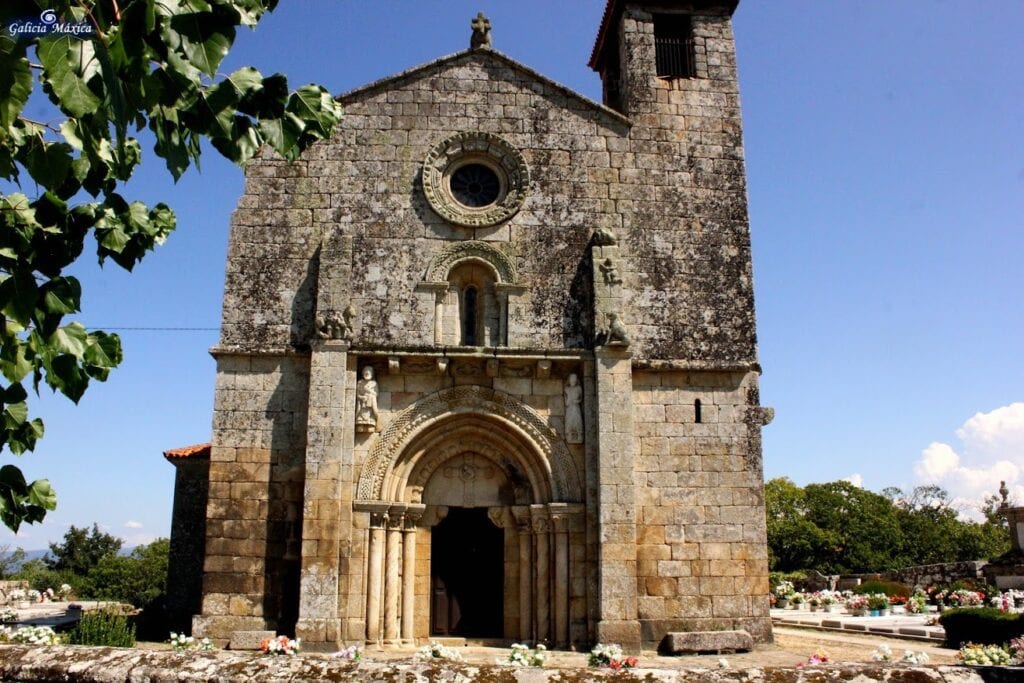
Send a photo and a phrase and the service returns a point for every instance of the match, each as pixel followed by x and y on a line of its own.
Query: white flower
pixel 882 654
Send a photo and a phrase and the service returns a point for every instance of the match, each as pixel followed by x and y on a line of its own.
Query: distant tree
pixel 864 525
pixel 840 528
pixel 10 560
pixel 139 578
pixel 82 550
pixel 794 542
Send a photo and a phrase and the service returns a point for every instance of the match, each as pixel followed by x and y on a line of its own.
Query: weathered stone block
pixel 698 642
pixel 248 640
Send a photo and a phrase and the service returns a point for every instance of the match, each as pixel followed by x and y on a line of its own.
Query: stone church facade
pixel 488 366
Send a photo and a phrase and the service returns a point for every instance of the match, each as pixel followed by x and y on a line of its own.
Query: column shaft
pixel 525 585
pixel 376 568
pixel 391 586
pixel 408 584
pixel 561 636
pixel 543 581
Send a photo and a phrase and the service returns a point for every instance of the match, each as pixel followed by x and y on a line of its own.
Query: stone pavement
pixel 908 626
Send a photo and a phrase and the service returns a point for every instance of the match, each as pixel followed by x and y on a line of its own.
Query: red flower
pixel 632 662
pixel 615 664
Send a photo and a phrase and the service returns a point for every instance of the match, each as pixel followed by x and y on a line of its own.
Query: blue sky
pixel 885 155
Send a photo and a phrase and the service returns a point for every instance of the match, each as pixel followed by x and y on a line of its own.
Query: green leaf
pixel 49 162
pixel 61 295
pixel 104 353
pixel 15 414
pixel 41 494
pixel 64 374
pixel 18 296
pixel 15 81
pixel 12 479
pixel 68 64
pixel 205 39
pixel 71 339
pixel 14 362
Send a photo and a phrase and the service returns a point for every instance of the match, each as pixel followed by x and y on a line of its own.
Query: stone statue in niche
pixel 610 272
pixel 613 334
pixel 366 402
pixel 573 410
pixel 331 326
pixel 605 237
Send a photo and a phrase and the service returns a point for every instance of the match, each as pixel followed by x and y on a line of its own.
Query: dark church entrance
pixel 466 575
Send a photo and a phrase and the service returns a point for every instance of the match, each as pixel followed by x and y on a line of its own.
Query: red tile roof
pixel 199 450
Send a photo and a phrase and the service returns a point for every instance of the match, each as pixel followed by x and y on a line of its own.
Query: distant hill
pixel 40 554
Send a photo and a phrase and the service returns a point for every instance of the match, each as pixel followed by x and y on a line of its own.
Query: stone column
pixel 378 520
pixel 502 291
pixel 560 523
pixel 617 562
pixel 409 574
pixel 327 475
pixel 523 527
pixel 541 529
pixel 392 590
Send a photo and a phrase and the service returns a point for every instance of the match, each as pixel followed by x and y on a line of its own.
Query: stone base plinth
pixel 625 633
pixel 700 642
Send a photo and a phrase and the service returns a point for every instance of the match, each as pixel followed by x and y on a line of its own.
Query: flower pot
pixel 813 608
pixel 782 603
pixel 22 604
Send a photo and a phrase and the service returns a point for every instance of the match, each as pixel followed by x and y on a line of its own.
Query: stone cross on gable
pixel 481 31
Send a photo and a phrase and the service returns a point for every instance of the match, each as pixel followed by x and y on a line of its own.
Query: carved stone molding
pixel 469 400
pixel 492 152
pixel 470 250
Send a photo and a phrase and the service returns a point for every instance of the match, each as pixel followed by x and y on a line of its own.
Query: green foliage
pixel 10 560
pixel 983 625
pixel 838 528
pixel 149 64
pixel 82 550
pixel 889 588
pixel 41 577
pixel 139 578
pixel 103 628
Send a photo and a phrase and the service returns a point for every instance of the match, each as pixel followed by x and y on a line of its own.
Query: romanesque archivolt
pixel 475 179
pixel 471 250
pixel 469 400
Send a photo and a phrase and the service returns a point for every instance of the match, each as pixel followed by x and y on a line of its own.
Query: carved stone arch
pixel 472 250
pixel 483 403
pixel 520 465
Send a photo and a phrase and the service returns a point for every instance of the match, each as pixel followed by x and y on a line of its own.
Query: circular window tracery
pixel 475 179
pixel 475 185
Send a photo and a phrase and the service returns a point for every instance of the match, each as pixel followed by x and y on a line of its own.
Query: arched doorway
pixel 467 575
pixel 470 472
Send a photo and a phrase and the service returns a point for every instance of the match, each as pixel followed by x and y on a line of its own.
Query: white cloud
pixel 992 451
pixel 937 461
pixel 856 479
pixel 132 524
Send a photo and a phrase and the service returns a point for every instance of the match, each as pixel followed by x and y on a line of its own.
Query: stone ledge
pixel 696 642
pixel 116 665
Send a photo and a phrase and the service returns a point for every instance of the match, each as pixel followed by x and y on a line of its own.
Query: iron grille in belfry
pixel 674 56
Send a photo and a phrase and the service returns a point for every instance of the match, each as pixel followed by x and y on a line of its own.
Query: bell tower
pixel 644 50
